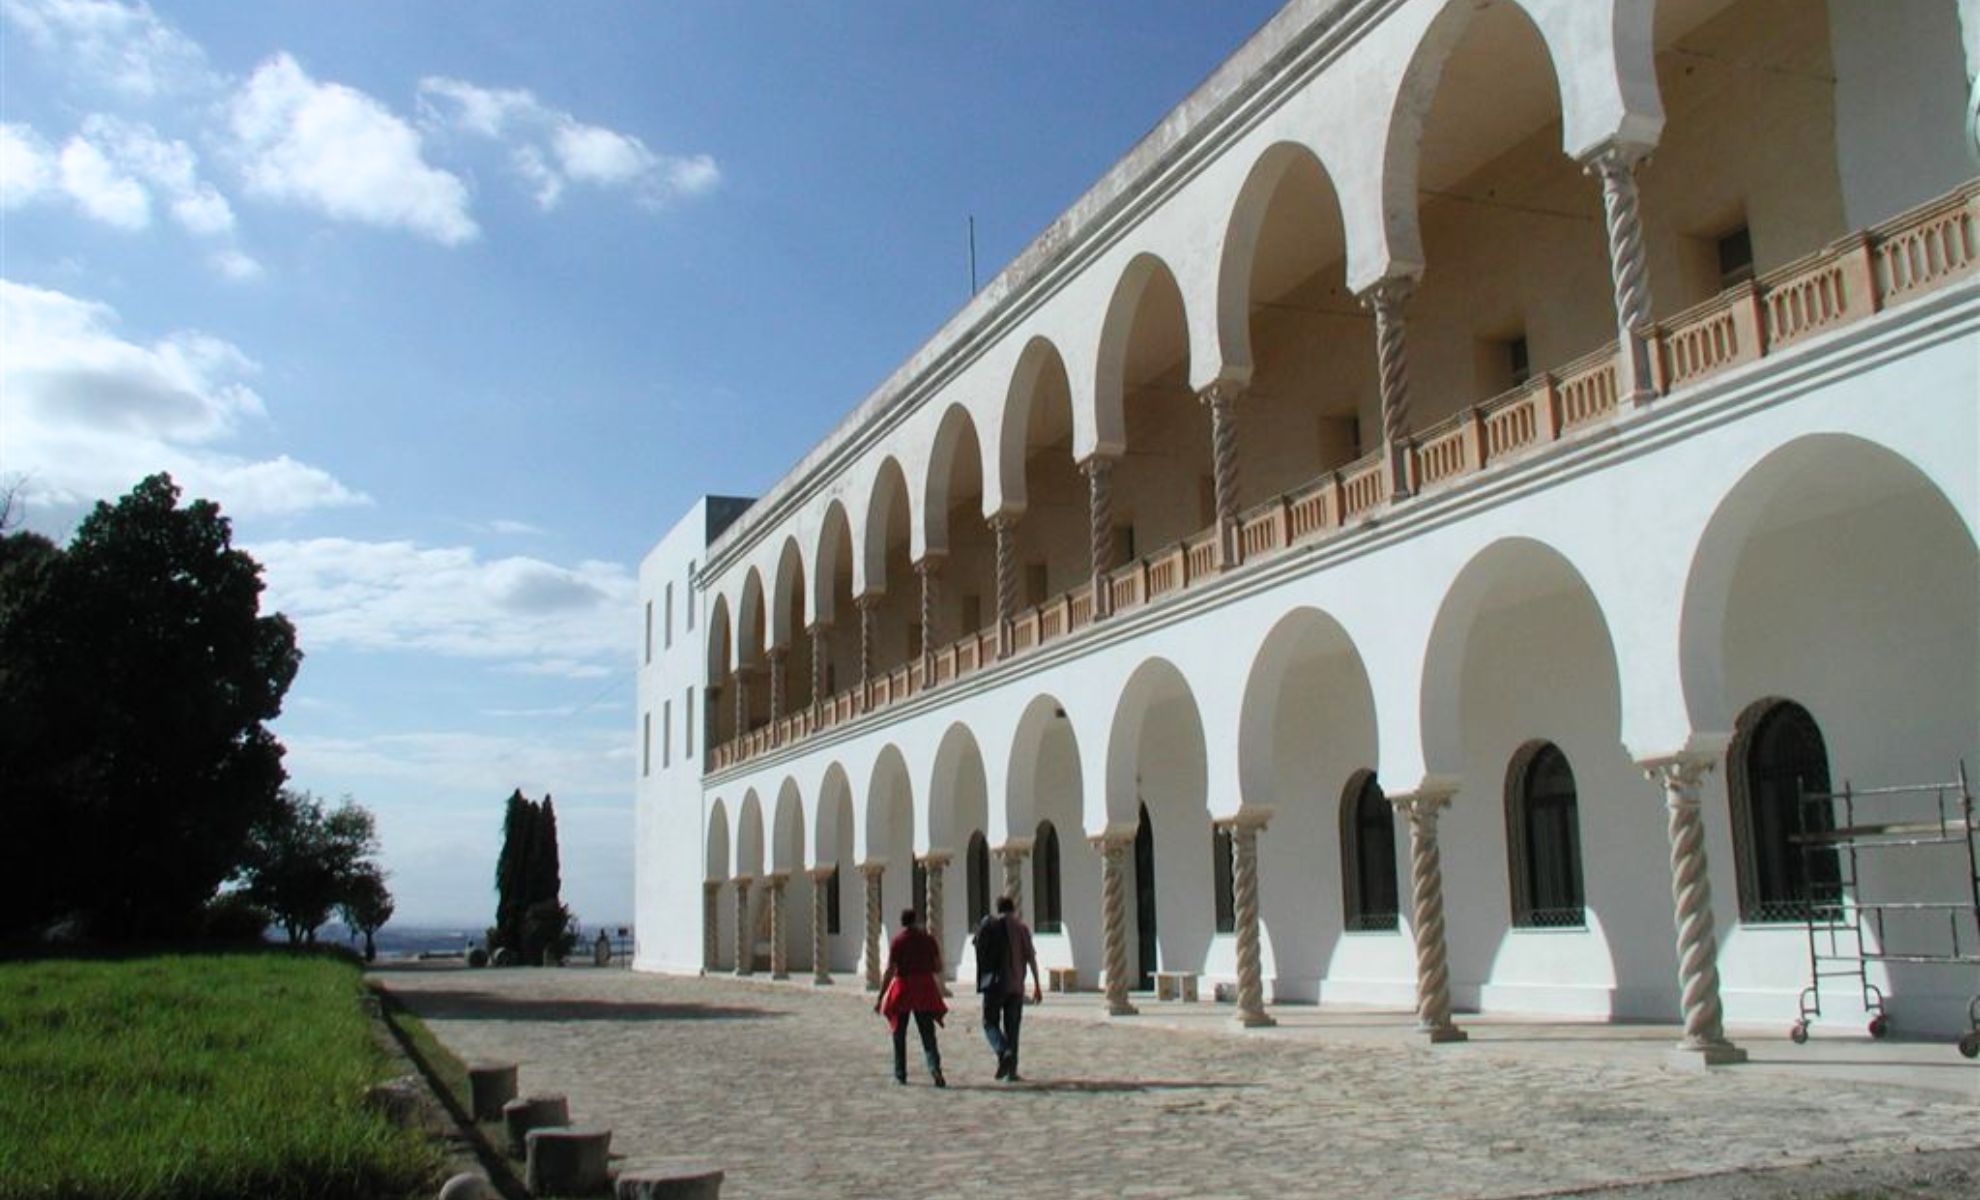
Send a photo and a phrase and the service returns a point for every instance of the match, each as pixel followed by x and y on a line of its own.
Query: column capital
pixel 930 562
pixel 743 882
pixel 936 858
pixel 1387 295
pixel 775 880
pixel 868 601
pixel 821 625
pixel 1099 462
pixel 1014 846
pixel 1004 519
pixel 777 654
pixel 711 886
pixel 1680 775
pixel 1112 835
pixel 873 868
pixel 1253 817
pixel 1222 393
pixel 822 874
pixel 1616 156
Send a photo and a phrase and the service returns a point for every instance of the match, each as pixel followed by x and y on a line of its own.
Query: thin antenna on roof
pixel 972 254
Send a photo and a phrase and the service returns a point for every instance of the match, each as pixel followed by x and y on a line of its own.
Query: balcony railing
pixel 1923 250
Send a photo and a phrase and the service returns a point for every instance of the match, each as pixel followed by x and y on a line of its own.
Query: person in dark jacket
pixel 911 987
pixel 1003 954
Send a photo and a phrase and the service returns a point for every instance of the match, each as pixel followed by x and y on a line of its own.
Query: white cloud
pixel 337 150
pixel 27 165
pixel 550 148
pixel 558 759
pixel 234 265
pixel 168 165
pixel 103 191
pixel 86 413
pixel 125 46
pixel 399 596
pixel 514 528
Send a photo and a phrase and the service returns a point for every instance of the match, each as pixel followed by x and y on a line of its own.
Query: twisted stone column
pixel 930 570
pixel 1387 298
pixel 1012 855
pixel 779 952
pixel 821 951
pixel 872 872
pixel 1691 894
pixel 711 924
pixel 1099 472
pixel 1003 527
pixel 744 950
pixel 869 608
pixel 1114 849
pixel 821 638
pixel 1221 399
pixel 932 864
pixel 1615 164
pixel 1426 876
pixel 1244 882
pixel 778 656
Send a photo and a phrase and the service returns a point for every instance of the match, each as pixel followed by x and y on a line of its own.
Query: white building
pixel 1540 429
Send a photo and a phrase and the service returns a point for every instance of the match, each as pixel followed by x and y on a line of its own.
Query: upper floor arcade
pixel 1386 250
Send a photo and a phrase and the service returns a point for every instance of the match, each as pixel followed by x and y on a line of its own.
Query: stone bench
pixel 520 1117
pixel 490 1086
pixel 1062 979
pixel 568 1161
pixel 682 1181
pixel 1176 985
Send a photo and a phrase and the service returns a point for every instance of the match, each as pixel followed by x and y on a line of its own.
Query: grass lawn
pixel 195 1078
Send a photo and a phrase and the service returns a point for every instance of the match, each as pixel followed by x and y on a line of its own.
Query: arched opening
pixel 790 632
pixel 977 871
pixel 1543 839
pixel 1371 898
pixel 714 955
pixel 1777 761
pixel 1307 725
pixel 835 849
pixel 1314 402
pixel 890 838
pixel 1163 489
pixel 753 931
pixel 752 660
pixel 958 814
pixel 1046 790
pixel 967 597
pixel 1048 905
pixel 890 571
pixel 1053 551
pixel 787 860
pixel 1157 772
pixel 836 611
pixel 719 721
pixel 1516 277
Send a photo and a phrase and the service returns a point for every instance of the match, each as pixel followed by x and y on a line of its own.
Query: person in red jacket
pixel 912 987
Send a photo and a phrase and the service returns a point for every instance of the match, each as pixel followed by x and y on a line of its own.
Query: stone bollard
pixel 397 1100
pixel 686 1181
pixel 468 1186
pixel 532 1112
pixel 567 1161
pixel 490 1086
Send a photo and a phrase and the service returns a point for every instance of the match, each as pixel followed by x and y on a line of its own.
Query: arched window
pixel 1220 878
pixel 1368 854
pixel 1543 839
pixel 1778 757
pixel 1045 879
pixel 978 870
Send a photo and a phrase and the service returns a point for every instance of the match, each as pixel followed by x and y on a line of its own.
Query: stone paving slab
pixel 789 1090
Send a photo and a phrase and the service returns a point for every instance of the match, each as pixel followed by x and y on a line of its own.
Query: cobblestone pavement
pixel 788 1089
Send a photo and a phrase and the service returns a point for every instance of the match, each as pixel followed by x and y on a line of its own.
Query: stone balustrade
pixel 1848 281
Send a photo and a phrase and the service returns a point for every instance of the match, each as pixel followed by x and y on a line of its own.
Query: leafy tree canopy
pixel 303 861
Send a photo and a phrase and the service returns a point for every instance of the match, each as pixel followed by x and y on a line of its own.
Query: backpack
pixel 993 953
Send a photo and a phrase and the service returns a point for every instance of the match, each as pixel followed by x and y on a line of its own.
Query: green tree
pixel 512 873
pixel 303 861
pixel 366 906
pixel 136 678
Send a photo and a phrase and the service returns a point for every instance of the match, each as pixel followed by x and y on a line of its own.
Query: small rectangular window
pixel 687 722
pixel 646 743
pixel 690 596
pixel 1735 257
pixel 649 631
pixel 667 733
pixel 1123 544
pixel 1517 363
pixel 668 622
pixel 972 614
pixel 1036 587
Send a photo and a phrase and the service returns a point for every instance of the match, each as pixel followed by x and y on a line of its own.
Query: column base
pixel 1441 1034
pixel 821 980
pixel 1123 1009
pixel 1254 1020
pixel 1688 1057
pixel 780 974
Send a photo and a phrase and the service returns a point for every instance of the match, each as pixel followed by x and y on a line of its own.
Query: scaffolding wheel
pixel 1798 1033
pixel 1880 1026
pixel 1969 1046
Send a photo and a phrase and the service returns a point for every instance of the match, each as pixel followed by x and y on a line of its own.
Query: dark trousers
pixel 925 1022
pixel 1003 1016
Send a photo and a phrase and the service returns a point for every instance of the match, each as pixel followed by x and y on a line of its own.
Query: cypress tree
pixel 512 871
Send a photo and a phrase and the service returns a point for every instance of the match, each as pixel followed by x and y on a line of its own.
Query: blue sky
pixel 455 307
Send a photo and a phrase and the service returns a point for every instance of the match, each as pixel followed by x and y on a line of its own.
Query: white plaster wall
pixel 1896 145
